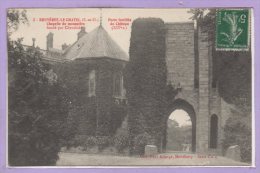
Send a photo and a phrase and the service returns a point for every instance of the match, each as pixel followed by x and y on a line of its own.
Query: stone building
pixel 189 64
pixel 93 69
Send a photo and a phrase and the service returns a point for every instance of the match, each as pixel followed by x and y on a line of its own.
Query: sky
pixel 39 31
pixel 181 117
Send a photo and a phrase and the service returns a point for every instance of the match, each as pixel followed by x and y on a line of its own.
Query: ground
pixel 165 159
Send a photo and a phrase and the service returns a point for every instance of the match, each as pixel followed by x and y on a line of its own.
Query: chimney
pixel 33 40
pixel 82 32
pixel 49 40
pixel 64 46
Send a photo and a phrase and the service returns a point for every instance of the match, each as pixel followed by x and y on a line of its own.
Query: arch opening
pixel 180 133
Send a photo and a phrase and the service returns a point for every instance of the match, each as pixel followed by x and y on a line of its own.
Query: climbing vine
pixel 146 80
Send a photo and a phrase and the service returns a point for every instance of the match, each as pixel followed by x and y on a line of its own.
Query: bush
pixel 70 143
pixel 118 113
pixel 33 149
pixel 38 110
pixel 238 132
pixel 121 140
pixel 90 142
pixel 78 140
pixel 104 142
pixel 140 142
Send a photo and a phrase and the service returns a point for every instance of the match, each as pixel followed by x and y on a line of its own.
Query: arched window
pixel 118 89
pixel 92 83
pixel 213 131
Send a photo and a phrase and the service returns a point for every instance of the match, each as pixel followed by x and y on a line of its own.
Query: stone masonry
pixel 180 58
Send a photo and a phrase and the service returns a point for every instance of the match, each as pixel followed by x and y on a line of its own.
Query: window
pixel 118 89
pixel 92 84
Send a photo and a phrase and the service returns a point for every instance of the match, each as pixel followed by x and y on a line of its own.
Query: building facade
pixel 190 68
pixel 93 67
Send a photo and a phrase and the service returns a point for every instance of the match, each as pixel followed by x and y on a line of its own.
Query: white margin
pixel 252 19
pixel 253 165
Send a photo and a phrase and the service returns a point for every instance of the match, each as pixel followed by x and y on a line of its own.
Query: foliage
pixel 82 108
pixel 84 141
pixel 140 141
pixel 236 74
pixel 178 135
pixel 171 93
pixel 146 78
pixel 37 117
pixel 75 79
pixel 118 113
pixel 238 132
pixel 121 139
pixel 104 142
pixel 14 19
pixel 72 126
pixel 230 69
pixel 37 109
pixel 232 75
pixel 121 142
pixel 91 142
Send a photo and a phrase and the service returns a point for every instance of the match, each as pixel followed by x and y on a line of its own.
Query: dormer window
pixel 92 83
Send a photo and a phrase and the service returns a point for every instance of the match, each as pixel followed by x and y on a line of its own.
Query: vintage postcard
pixel 130 87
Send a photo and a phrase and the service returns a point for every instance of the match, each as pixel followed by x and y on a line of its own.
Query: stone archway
pixel 184 105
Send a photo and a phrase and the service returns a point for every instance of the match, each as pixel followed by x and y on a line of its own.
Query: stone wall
pixel 203 115
pixel 180 58
pixel 180 54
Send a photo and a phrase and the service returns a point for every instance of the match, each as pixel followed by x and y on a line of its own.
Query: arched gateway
pixel 184 105
pixel 190 70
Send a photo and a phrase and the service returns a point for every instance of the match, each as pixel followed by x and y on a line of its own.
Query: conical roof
pixel 96 44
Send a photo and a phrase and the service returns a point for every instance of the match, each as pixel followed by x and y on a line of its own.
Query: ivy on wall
pixel 97 115
pixel 146 80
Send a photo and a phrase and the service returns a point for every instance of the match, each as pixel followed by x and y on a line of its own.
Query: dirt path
pixel 165 159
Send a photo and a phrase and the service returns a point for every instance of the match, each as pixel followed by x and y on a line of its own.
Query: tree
pixel 146 79
pixel 237 131
pixel 232 75
pixel 14 19
pixel 177 136
pixel 38 106
pixel 230 69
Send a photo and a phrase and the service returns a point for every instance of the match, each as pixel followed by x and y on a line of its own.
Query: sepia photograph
pixel 130 87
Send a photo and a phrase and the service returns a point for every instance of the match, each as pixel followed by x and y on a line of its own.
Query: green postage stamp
pixel 233 29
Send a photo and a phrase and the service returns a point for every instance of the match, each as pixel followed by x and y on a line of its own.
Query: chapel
pixel 92 70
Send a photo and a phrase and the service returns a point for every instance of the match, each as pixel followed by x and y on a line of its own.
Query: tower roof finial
pixel 100 20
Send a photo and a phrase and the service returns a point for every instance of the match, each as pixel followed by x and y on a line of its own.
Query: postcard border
pixel 4 4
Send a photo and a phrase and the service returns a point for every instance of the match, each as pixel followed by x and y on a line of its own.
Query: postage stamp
pixel 233 29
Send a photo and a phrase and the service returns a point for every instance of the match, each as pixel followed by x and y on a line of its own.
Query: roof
pixel 96 44
pixel 48 55
pixel 56 50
